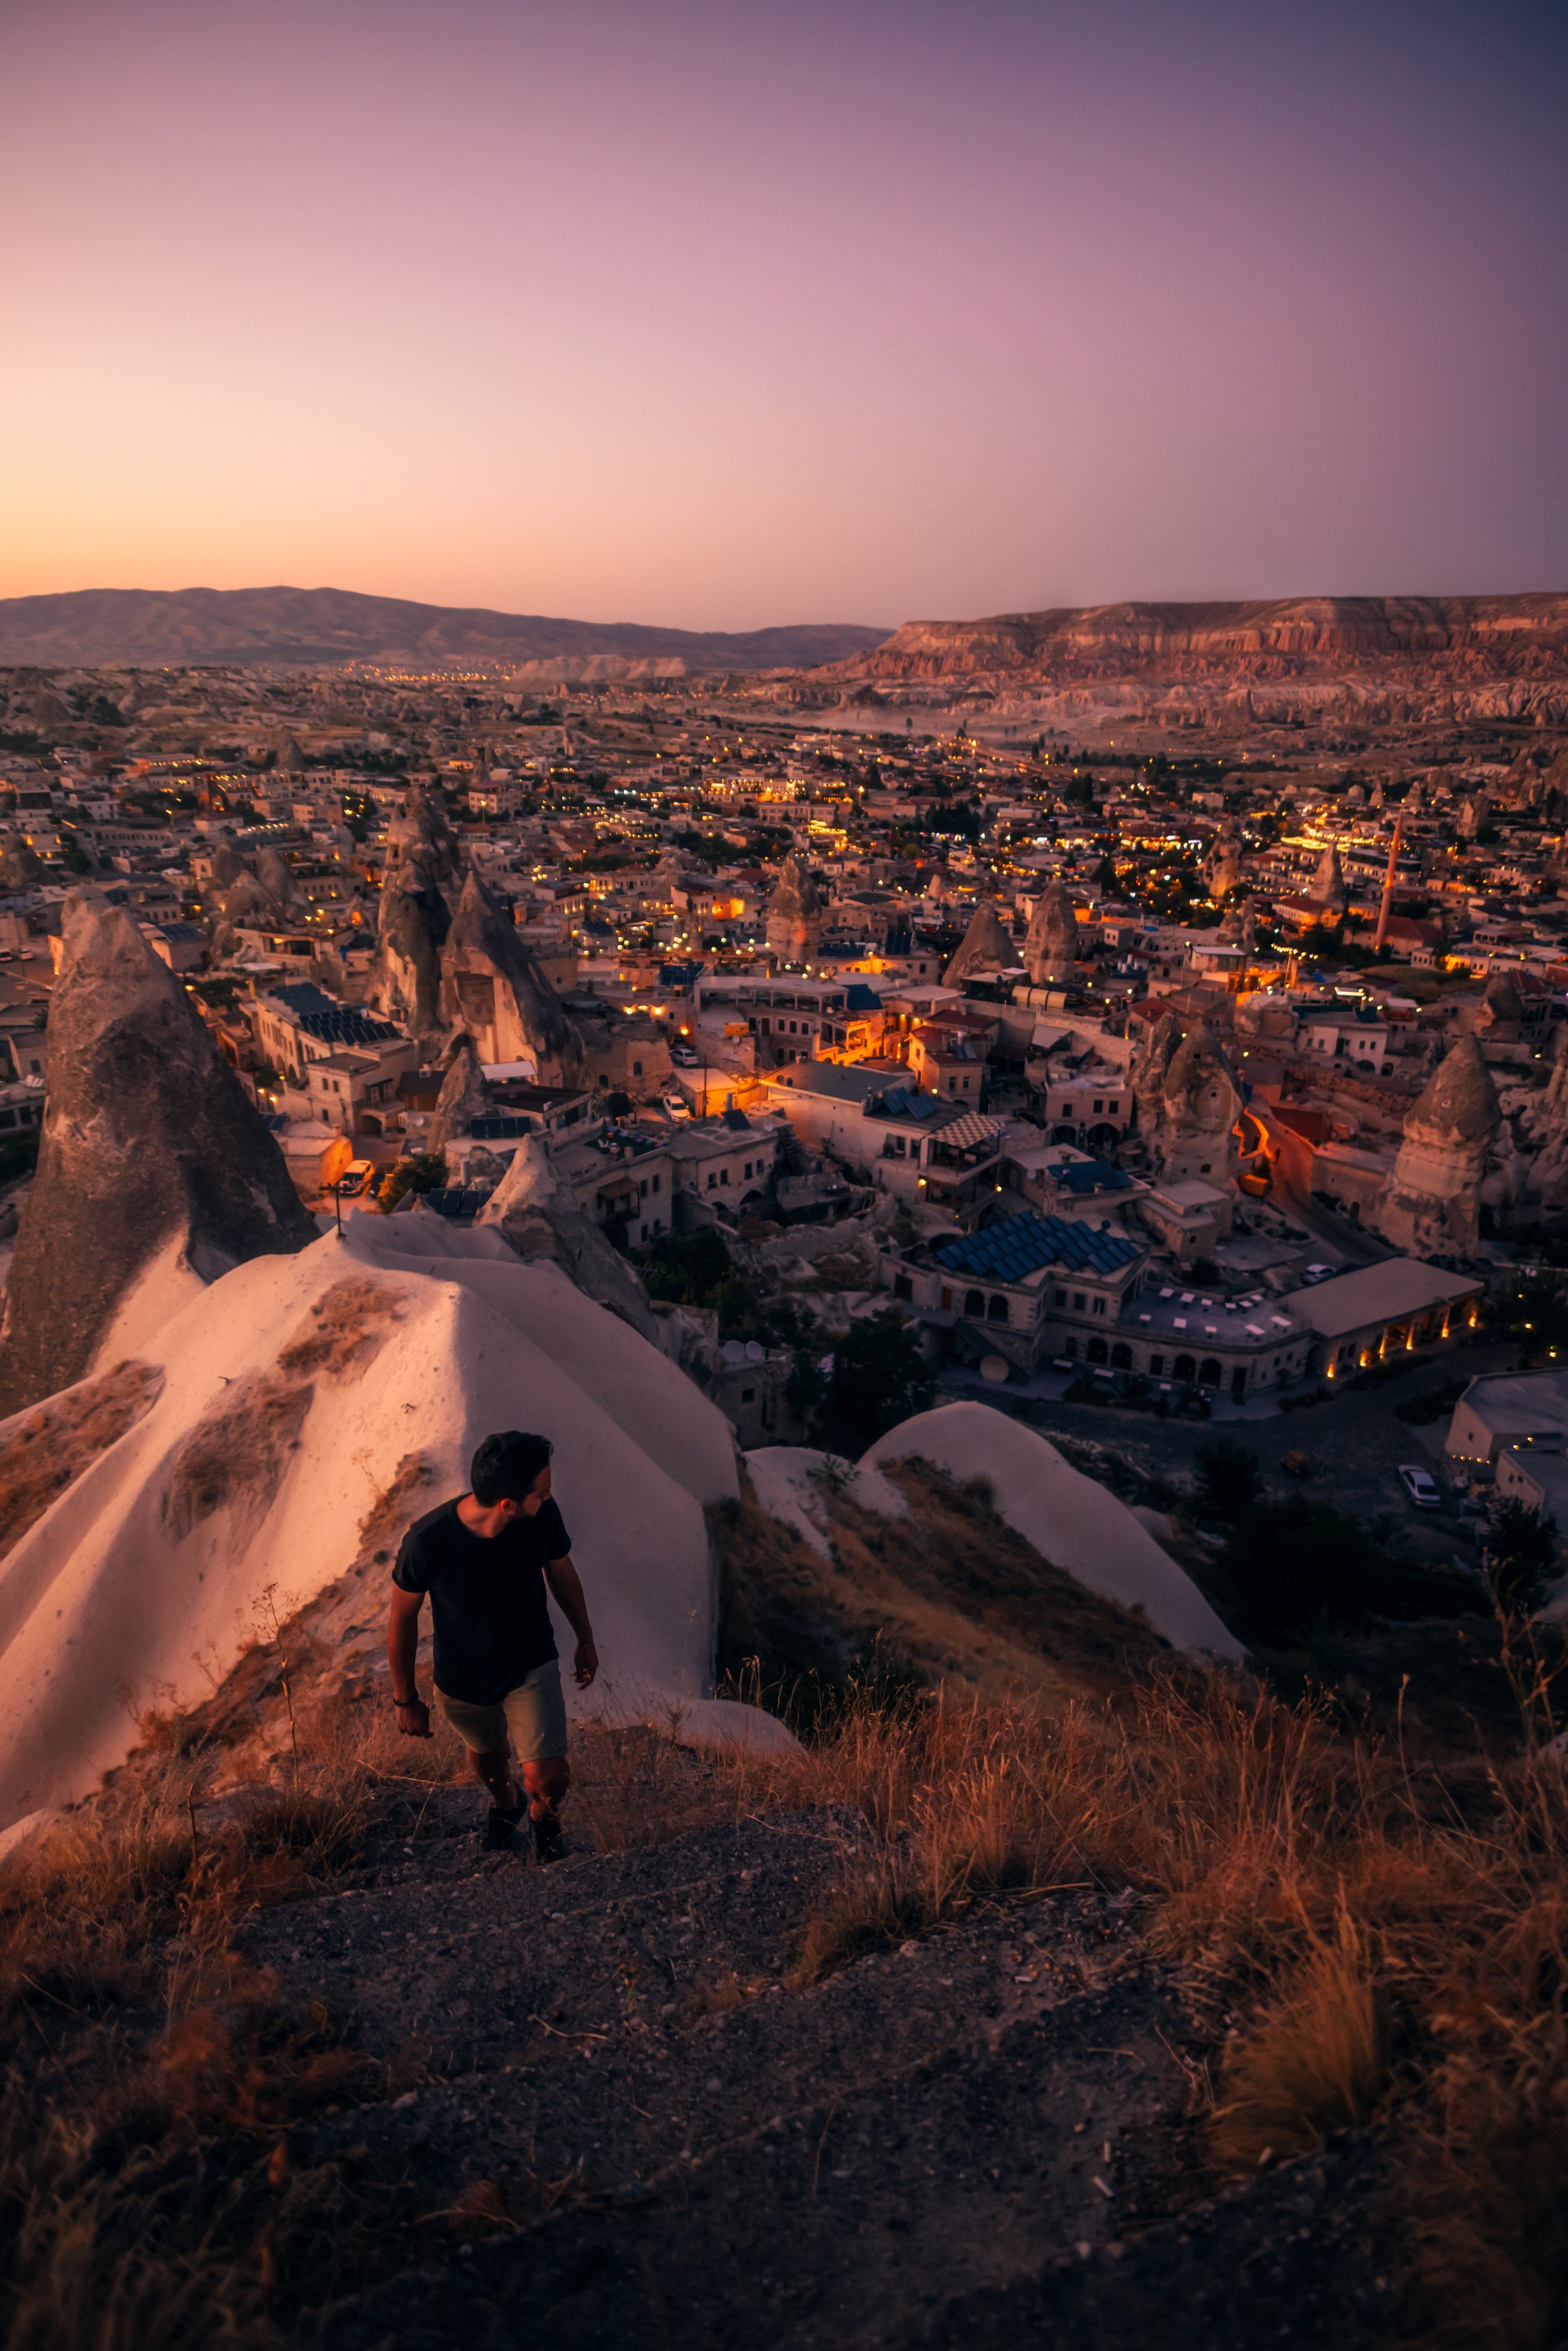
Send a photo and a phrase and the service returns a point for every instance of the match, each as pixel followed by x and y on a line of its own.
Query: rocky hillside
pixel 1132 2006
pixel 320 627
pixel 1442 656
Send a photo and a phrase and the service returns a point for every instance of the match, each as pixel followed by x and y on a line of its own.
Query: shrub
pixel 1227 1479
pixel 1289 1564
pixel 1522 1552
pixel 878 1377
pixel 425 1171
pixel 686 1268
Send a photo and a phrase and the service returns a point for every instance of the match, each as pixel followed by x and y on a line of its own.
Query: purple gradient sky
pixel 716 315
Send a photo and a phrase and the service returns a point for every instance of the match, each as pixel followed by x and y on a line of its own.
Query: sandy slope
pixel 293 1390
pixel 1076 1524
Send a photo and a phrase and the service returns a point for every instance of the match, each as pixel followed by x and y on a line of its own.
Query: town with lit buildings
pixel 1198 1082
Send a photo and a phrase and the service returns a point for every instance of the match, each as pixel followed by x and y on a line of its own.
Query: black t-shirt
pixel 487 1597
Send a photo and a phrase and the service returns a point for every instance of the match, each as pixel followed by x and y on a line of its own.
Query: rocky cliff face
pixel 151 1148
pixel 1421 656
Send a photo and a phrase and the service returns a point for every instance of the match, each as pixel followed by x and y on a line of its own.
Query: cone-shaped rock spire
pixel 541 1217
pixel 1431 1204
pixel 988 945
pixel 150 1145
pixel 494 991
pixel 794 915
pixel 1050 946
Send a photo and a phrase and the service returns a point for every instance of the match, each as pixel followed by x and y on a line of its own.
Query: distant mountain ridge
pixel 1299 634
pixel 320 627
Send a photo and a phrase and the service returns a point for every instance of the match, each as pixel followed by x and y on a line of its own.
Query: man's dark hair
pixel 506 1467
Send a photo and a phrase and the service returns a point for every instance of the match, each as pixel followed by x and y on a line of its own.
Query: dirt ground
pixel 623 2125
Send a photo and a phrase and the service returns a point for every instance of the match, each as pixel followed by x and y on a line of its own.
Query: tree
pixel 1290 1565
pixel 1521 1553
pixel 878 1377
pixel 686 1268
pixel 1227 1479
pixel 1534 1309
pixel 425 1171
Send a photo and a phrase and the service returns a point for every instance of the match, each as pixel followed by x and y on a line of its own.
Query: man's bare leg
pixel 546 1782
pixel 494 1769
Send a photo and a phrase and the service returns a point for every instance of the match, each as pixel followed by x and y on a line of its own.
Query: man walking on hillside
pixel 485 1561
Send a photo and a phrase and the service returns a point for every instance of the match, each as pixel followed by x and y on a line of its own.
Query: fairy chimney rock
pixel 150 1150
pixel 1050 944
pixel 1431 1204
pixel 988 945
pixel 794 915
pixel 493 991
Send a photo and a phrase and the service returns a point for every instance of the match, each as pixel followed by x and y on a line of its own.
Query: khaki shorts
pixel 534 1713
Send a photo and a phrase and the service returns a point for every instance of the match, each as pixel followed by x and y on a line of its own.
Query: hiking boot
pixel 545 1828
pixel 499 1826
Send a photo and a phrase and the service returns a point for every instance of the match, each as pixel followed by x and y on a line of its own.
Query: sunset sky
pixel 715 316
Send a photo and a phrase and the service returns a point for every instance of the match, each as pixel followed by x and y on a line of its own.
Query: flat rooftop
pixel 1378 1294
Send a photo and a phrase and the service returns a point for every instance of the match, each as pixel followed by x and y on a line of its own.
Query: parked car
pixel 357 1176
pixel 684 1058
pixel 675 1104
pixel 1421 1486
pixel 1318 1273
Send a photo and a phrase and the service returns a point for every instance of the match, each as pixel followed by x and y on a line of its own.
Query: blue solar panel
pixel 1021 1245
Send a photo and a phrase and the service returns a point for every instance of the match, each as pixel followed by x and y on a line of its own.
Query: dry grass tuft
pixel 1340 1904
pixel 47 1449
pixel 237 1455
pixel 636 1787
pixel 1312 2061
pixel 345 1327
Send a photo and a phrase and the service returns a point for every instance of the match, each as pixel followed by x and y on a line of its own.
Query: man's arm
pixel 403 1649
pixel 566 1591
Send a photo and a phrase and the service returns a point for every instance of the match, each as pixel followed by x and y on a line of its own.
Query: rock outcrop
pixel 539 1217
pixel 1188 1101
pixel 1431 1204
pixel 464 1097
pixel 1310 659
pixel 20 866
pixel 1327 889
pixel 1549 1167
pixel 493 991
pixel 794 915
pixel 987 945
pixel 419 889
pixel 1050 944
pixel 152 1157
pixel 1223 869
